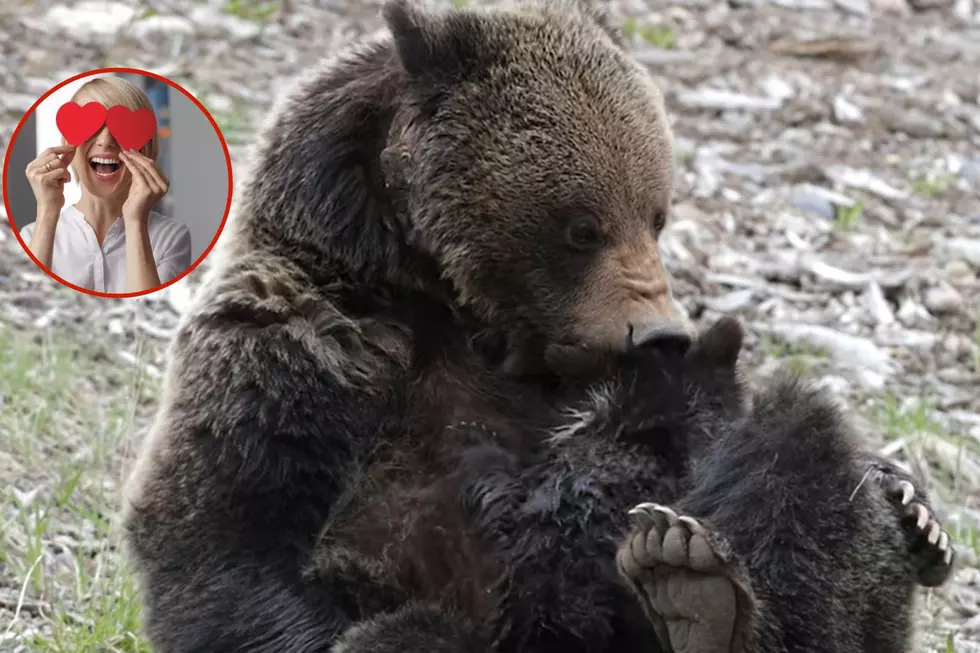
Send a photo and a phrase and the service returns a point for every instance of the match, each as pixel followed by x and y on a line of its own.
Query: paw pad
pixel 696 599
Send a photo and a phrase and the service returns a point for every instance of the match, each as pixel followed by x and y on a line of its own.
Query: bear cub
pixel 520 540
pixel 675 425
pixel 791 537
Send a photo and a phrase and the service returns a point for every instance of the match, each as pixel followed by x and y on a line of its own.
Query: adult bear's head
pixel 517 155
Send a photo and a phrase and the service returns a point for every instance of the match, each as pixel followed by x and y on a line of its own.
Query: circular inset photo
pixel 117 182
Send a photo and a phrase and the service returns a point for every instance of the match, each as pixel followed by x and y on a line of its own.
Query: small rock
pixel 219 103
pixel 845 279
pixel 880 309
pixel 167 25
pixel 868 379
pixel 813 203
pixel 856 7
pixel 942 299
pixel 720 99
pixel 864 180
pixel 972 625
pixel 688 212
pixel 179 296
pixel 970 172
pixel 708 177
pixel 731 302
pixel 17 102
pixel 974 118
pixel 803 4
pixel 911 313
pixel 852 351
pixel 847 113
pixel 895 7
pixel 819 200
pixel 924 5
pixel 90 18
pixel 956 344
pixel 778 88
pixel 967 249
pixel 908 339
pixel 963 10
pixel 651 56
pixel 957 269
pixel 226 24
pixel 912 122
pixel 837 385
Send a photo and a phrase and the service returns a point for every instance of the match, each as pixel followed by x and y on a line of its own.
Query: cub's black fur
pixel 478 175
pixel 551 523
pixel 790 530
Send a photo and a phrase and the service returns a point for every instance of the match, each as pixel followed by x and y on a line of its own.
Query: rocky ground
pixel 828 192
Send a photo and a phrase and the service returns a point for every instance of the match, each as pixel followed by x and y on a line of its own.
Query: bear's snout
pixel 660 333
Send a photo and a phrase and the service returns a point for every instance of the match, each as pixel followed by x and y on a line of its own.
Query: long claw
pixel 921 515
pixel 692 524
pixel 908 491
pixel 668 513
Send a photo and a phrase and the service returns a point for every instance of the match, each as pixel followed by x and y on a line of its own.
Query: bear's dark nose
pixel 661 333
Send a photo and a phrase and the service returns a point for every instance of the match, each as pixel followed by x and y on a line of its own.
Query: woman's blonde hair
pixel 112 90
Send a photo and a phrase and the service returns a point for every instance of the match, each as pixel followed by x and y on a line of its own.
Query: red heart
pixel 79 123
pixel 131 129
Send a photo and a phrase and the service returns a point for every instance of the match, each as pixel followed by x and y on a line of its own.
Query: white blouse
pixel 79 259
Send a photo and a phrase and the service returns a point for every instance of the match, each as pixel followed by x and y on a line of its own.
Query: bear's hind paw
pixel 697 598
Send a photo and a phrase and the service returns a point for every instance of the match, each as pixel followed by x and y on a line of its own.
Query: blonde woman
pixel 110 240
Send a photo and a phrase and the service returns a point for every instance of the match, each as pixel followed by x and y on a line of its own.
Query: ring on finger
pixel 47 166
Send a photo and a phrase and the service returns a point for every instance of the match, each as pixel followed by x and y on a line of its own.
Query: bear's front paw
pixel 697 597
pixel 930 546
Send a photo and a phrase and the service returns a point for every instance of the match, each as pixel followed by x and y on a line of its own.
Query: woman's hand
pixel 48 174
pixel 148 186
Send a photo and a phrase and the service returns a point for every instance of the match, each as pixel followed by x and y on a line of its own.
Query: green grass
pixel 256 10
pixel 798 358
pixel 917 423
pixel 950 645
pixel 846 217
pixel 66 426
pixel 233 124
pixel 659 36
pixel 932 186
pixel 906 420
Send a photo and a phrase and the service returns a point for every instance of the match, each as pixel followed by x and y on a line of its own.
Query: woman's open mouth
pixel 104 167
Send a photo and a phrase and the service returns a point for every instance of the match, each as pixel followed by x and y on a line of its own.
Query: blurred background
pixel 827 193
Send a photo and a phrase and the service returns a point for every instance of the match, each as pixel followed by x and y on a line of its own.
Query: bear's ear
pixel 721 343
pixel 429 43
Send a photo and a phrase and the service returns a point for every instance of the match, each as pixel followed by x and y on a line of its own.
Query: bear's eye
pixel 583 232
pixel 659 222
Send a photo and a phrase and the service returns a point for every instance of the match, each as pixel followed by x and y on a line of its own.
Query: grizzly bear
pixel 389 421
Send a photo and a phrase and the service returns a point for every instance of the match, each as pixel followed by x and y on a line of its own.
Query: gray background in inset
pixel 192 158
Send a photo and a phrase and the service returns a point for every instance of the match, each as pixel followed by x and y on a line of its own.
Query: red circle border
pixel 168 82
